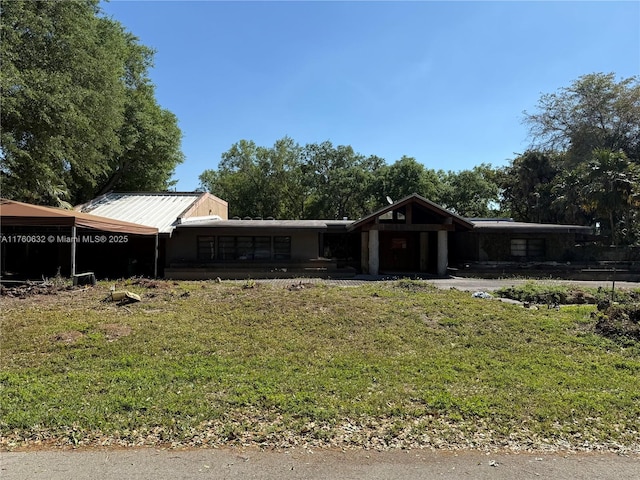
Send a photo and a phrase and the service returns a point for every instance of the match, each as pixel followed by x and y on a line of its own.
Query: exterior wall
pixel 304 245
pixel 595 253
pixel 208 205
pixel 496 246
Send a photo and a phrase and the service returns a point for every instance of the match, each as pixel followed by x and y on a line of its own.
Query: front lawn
pixel 388 364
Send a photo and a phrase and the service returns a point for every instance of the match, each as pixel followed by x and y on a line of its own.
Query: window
pixel 527 247
pixel 281 248
pixel 227 248
pixel 245 248
pixel 393 216
pixel 206 248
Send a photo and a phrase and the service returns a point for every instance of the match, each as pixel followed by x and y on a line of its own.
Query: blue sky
pixel 443 82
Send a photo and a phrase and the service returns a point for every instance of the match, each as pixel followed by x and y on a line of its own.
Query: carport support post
pixel 443 253
pixel 155 259
pixel 73 252
pixel 374 252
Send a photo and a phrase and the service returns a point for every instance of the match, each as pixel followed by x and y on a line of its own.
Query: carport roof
pixel 24 214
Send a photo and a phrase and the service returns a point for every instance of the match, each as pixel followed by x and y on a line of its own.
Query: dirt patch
pixel 72 336
pixel 619 322
pixel 114 331
pixel 31 289
pixel 150 283
pixel 300 286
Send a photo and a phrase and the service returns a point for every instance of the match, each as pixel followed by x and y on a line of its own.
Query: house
pixel 412 236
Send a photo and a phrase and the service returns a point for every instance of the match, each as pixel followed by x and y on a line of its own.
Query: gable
pixel 412 213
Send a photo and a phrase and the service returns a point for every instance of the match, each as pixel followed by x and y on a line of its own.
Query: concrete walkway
pixel 294 464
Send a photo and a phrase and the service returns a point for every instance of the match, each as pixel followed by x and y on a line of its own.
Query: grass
pixel 385 364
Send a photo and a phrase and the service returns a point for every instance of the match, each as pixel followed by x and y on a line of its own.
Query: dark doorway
pixel 399 252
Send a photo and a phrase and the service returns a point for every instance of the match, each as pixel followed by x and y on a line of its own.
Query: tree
pixel 66 103
pixel 406 176
pixel 259 181
pixel 471 193
pixel 595 112
pixel 340 182
pixel 611 191
pixel 149 135
pixel 526 186
pixel 586 157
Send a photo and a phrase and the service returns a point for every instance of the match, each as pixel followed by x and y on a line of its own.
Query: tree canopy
pixel 79 114
pixel 595 112
pixel 321 180
pixel 583 164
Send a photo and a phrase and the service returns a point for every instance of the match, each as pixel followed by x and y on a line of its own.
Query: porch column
pixel 374 252
pixel 364 252
pixel 443 252
pixel 424 251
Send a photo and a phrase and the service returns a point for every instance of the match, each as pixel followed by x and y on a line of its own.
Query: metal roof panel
pixel 160 210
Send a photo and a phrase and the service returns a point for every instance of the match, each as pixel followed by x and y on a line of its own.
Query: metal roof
pixel 160 210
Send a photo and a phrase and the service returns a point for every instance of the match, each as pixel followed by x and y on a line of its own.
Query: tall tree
pixel 595 112
pixel 472 193
pixel 611 191
pixel 64 101
pixel 526 186
pixel 407 176
pixel 259 181
pixel 340 181
pixel 149 135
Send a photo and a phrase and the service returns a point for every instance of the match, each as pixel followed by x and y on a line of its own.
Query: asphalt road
pixel 232 463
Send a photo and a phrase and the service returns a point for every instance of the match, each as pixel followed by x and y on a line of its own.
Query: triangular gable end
pixel 413 210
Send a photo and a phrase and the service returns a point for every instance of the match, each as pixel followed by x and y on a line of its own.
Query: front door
pixel 399 252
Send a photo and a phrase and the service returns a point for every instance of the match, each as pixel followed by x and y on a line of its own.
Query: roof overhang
pixel 258 225
pixel 505 226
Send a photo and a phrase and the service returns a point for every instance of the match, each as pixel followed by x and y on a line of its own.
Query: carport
pixel 25 227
